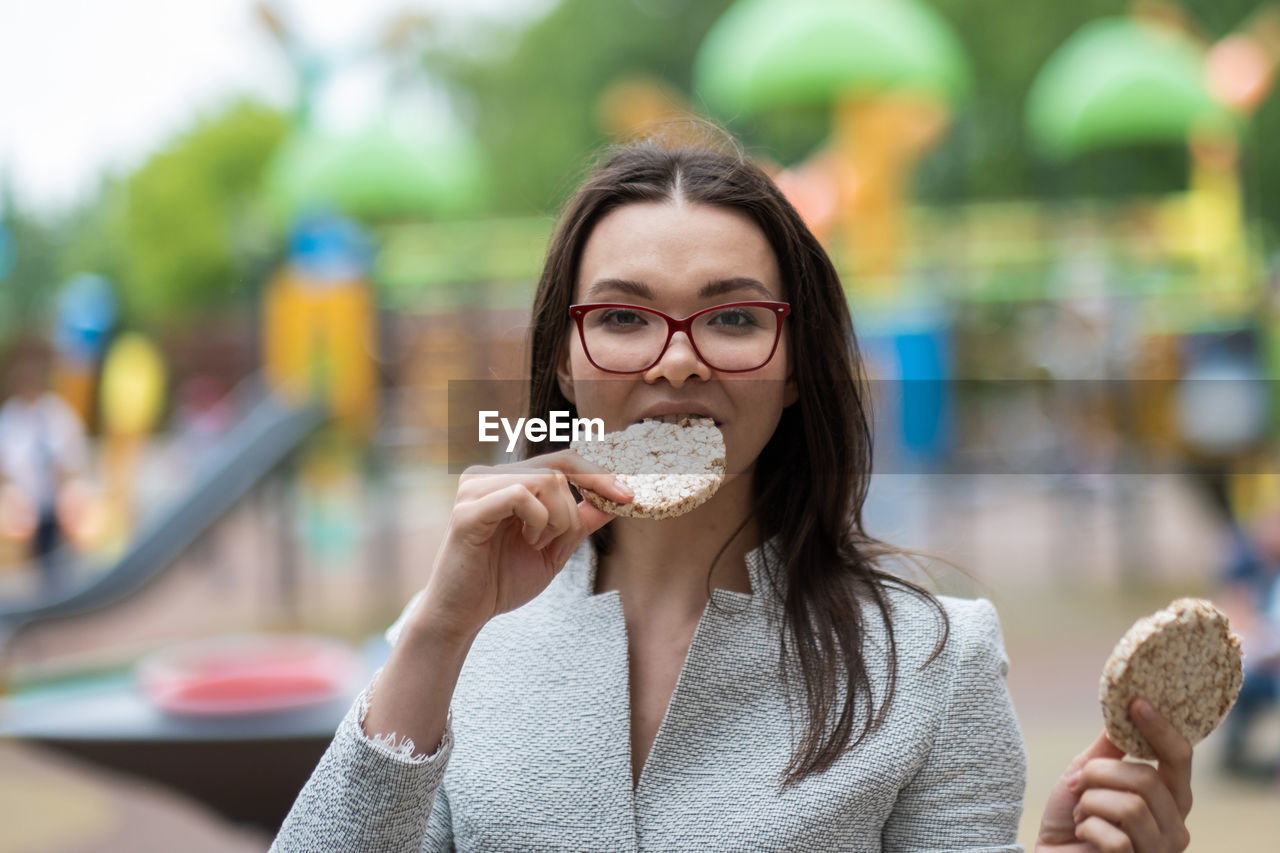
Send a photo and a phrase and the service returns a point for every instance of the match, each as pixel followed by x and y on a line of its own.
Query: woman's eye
pixel 621 317
pixel 733 317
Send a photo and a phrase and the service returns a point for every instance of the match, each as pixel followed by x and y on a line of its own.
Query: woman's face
pixel 679 258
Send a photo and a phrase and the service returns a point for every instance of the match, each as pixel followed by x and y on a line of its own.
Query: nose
pixel 678 363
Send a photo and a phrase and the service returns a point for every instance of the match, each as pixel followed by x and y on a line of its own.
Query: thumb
pixel 592 519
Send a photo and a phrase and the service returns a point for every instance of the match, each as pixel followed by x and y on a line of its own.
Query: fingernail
pixel 1144 710
pixel 624 488
pixel 1073 781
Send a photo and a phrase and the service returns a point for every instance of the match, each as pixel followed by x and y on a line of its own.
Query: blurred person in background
pixel 43 454
pixel 1251 599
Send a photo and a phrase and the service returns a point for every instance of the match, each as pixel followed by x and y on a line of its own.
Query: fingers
pixel 1172 749
pixel 1130 805
pixel 514 499
pixel 566 515
pixel 1124 810
pixel 1104 836
pixel 592 519
pixel 587 474
pixel 553 522
pixel 538 499
pixel 1131 833
pixel 1128 794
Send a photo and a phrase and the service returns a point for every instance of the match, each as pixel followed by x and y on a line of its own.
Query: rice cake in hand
pixel 673 467
pixel 1185 661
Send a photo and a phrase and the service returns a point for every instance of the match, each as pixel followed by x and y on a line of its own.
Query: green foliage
pixel 186 215
pixel 94 236
pixel 177 237
pixel 535 106
pixel 987 154
pixel 26 292
pixel 1007 45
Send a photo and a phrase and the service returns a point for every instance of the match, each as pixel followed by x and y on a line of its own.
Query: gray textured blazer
pixel 537 751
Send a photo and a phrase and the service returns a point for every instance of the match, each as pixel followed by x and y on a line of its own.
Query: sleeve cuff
pixel 400 748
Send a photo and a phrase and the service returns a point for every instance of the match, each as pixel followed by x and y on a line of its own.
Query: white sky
pixel 94 85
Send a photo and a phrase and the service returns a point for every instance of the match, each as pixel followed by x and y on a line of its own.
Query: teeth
pixel 673 419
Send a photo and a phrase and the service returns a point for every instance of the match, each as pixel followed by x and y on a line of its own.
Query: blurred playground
pixel 226 456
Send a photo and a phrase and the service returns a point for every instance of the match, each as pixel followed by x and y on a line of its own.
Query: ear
pixel 564 376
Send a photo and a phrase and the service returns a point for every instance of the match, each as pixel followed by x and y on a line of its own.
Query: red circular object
pixel 247 674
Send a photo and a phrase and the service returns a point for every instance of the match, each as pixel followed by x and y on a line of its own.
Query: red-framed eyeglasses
pixel 732 338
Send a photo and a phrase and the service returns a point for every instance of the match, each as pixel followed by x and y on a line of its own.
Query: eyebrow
pixel 711 288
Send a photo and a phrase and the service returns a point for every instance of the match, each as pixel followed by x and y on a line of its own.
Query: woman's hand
pixel 1102 803
pixel 512 529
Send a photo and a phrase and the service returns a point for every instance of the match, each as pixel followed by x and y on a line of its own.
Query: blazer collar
pixel 764 562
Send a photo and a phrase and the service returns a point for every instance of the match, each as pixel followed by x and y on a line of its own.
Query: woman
pixel 743 676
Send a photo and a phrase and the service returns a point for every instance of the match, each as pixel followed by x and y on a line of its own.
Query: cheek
pixel 781 362
pixel 581 366
pixel 744 442
pixel 587 380
pixel 598 394
pixel 759 406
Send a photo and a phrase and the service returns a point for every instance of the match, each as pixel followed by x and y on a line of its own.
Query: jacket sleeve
pixel 967 796
pixel 371 794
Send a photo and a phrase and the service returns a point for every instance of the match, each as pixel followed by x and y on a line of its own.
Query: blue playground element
pixel 909 358
pixel 924 360
pixel 86 313
pixel 327 247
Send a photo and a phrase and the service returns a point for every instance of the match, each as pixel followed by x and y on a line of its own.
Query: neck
pixel 660 567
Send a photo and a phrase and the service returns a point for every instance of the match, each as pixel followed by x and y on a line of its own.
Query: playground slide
pixel 247 454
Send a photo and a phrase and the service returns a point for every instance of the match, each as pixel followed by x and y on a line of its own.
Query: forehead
pixel 674 249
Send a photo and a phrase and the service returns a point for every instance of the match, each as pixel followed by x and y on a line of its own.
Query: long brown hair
pixel 812 476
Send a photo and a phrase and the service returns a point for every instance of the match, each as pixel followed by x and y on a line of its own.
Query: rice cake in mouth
pixel 1185 661
pixel 673 465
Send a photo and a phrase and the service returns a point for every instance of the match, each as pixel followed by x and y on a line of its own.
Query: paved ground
pixel 1049 558
pixel 52 804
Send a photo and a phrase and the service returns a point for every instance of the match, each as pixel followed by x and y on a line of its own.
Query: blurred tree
pixel 189 216
pixel 26 291
pixel 988 156
pixel 94 235
pixel 534 105
pixel 533 99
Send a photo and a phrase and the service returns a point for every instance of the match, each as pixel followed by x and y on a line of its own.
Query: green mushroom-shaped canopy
pixel 1118 81
pixel 767 53
pixel 375 174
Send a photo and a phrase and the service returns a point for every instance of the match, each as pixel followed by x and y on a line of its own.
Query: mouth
pixel 677 418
